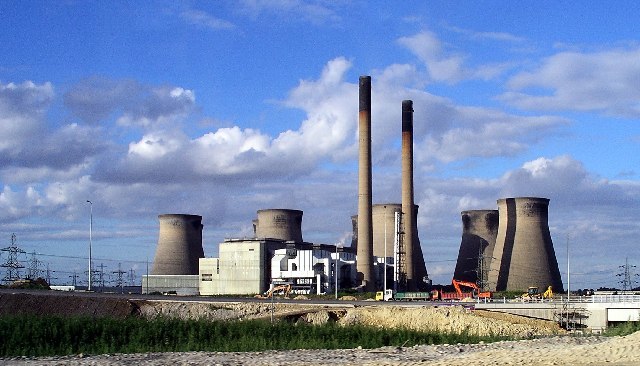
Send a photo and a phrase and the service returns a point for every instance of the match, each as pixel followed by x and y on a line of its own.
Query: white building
pixel 310 269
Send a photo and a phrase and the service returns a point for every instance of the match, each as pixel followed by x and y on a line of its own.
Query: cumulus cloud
pixel 22 107
pixel 604 82
pixel 95 99
pixel 444 65
pixel 231 153
pixel 28 141
pixel 484 132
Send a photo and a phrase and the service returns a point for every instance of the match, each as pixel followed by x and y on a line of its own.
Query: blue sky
pixel 223 108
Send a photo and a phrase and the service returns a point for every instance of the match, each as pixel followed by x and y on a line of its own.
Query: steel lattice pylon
pixel 12 264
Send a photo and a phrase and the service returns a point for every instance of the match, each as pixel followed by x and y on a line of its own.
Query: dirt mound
pixel 450 319
pixel 67 305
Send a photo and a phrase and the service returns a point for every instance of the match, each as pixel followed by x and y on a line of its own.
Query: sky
pixel 222 108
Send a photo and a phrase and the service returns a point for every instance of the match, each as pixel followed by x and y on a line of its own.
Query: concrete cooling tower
pixel 523 253
pixel 479 232
pixel 283 224
pixel 383 216
pixel 179 245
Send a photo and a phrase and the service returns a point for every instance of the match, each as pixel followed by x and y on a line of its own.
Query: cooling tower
pixel 364 249
pixel 383 216
pixel 479 231
pixel 179 245
pixel 283 224
pixel 523 255
pixel 408 218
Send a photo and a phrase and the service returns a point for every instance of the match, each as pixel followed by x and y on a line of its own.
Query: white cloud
pixel 313 11
pixel 494 36
pixel 22 107
pixel 158 107
pixel 482 132
pixel 203 19
pixel 155 145
pixel 604 82
pixel 444 65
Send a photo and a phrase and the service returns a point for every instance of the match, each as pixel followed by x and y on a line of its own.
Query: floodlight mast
pixel 90 239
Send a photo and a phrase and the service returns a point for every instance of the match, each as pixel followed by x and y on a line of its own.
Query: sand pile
pixel 454 319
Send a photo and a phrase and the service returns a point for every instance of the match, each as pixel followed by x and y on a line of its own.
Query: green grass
pixel 47 335
pixel 623 329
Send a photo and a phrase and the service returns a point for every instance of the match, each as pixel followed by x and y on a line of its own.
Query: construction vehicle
pixel 459 294
pixel 389 295
pixel 476 292
pixel 284 290
pixel 533 293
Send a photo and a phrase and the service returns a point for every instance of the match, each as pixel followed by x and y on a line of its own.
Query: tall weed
pixel 49 335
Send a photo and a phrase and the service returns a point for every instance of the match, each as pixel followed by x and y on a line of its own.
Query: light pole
pixel 336 269
pixel 384 285
pixel 568 273
pixel 90 229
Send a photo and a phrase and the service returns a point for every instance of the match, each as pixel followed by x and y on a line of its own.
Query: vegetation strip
pixel 49 336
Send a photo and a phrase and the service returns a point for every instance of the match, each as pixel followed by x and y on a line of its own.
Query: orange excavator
pixel 284 289
pixel 476 291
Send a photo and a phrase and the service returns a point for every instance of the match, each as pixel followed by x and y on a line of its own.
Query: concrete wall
pixel 180 285
pixel 240 269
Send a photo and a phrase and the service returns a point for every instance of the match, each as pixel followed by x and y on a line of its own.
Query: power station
pixel 523 255
pixel 505 249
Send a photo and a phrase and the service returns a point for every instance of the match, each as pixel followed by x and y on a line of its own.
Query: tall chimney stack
pixel 364 249
pixel 408 217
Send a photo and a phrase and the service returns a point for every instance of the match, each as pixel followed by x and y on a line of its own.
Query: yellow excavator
pixel 533 293
pixel 285 289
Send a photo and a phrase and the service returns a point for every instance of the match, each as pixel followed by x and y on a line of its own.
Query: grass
pixel 48 336
pixel 622 329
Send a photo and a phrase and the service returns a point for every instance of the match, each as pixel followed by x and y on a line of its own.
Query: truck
pixel 389 295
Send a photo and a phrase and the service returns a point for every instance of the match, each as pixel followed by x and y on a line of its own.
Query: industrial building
pixel 277 252
pixel 509 249
pixel 277 255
